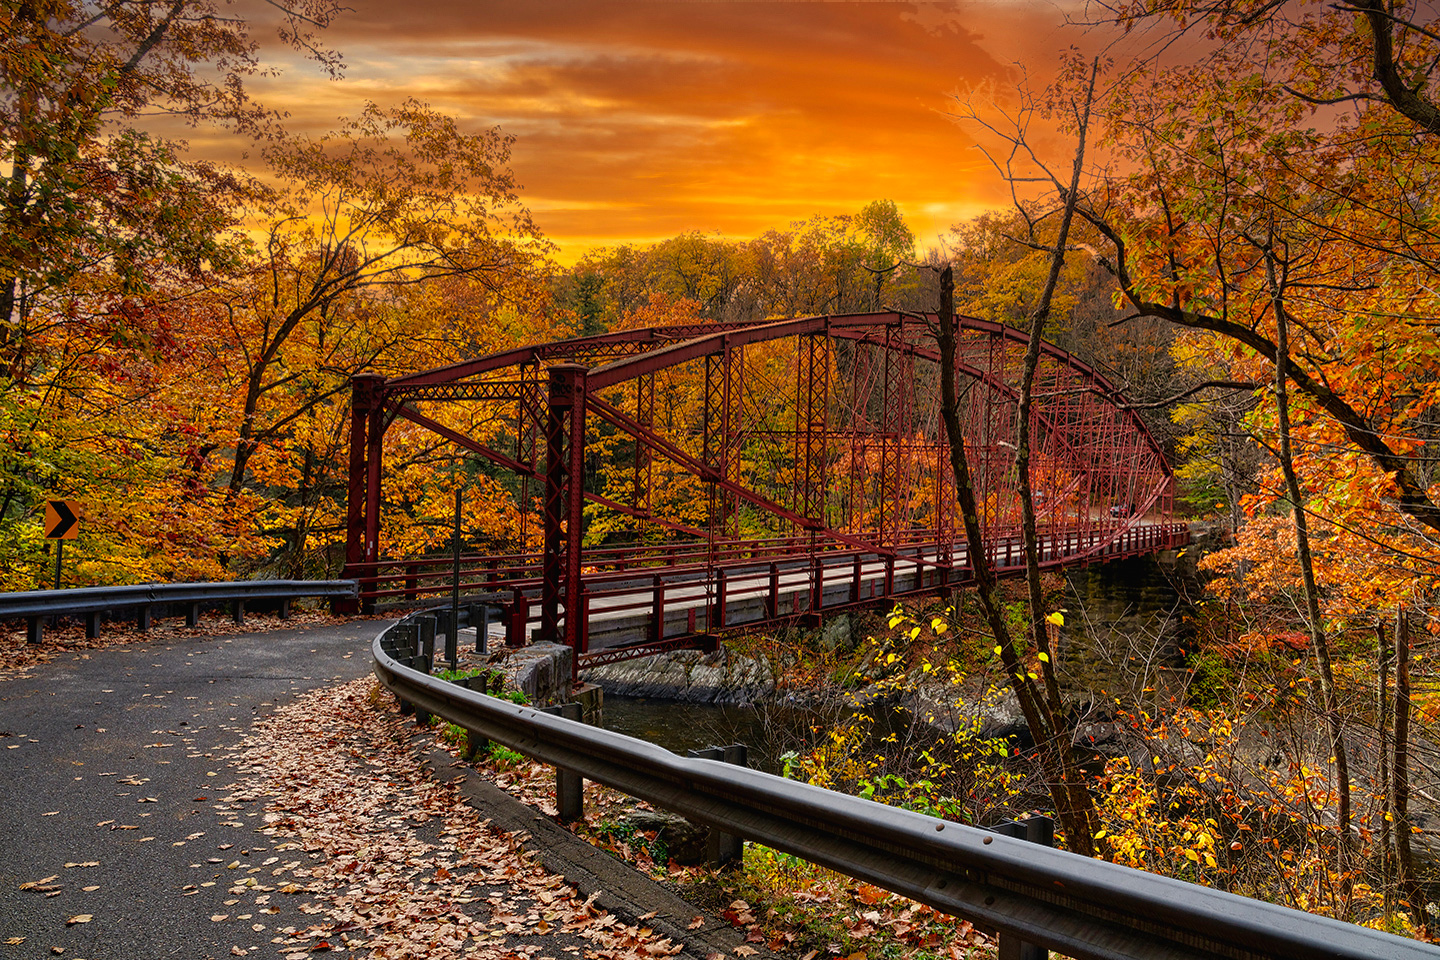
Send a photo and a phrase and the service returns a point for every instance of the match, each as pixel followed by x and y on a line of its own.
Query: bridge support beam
pixel 362 505
pixel 564 501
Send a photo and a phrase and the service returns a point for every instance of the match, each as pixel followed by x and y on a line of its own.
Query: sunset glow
pixel 635 121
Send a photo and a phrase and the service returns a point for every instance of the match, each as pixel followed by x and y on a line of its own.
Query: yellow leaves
pixel 1056 619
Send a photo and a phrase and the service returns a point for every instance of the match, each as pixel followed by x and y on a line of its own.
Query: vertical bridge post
pixel 362 503
pixel 564 501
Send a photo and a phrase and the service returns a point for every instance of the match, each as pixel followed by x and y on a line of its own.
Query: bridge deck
pixel 635 611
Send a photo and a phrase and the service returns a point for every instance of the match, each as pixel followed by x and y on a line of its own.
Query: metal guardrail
pixel 1082 908
pixel 36 605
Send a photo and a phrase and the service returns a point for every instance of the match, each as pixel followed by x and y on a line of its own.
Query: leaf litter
pixel 390 860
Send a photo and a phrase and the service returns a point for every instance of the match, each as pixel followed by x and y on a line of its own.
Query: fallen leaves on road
pixel 349 794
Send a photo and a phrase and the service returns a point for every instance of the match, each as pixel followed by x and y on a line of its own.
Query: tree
pixel 1283 122
pixel 399 198
pixel 84 186
pixel 1273 189
pixel 1040 698
pixel 105 231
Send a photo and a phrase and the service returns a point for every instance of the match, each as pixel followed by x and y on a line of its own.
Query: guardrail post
pixel 425 643
pixel 475 745
pixel 192 615
pixel 569 785
pixel 34 629
pixel 480 619
pixel 142 618
pixel 238 610
pixel 720 847
pixel 452 638
pixel 92 624
pixel 1039 830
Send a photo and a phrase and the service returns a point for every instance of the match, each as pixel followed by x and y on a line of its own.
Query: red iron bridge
pixel 673 483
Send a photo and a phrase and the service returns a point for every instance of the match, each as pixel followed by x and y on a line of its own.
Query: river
pixel 1126 623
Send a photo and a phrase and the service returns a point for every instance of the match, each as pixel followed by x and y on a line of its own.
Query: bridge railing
pixel 1077 906
pixel 401 582
pixel 630 607
pixel 686 603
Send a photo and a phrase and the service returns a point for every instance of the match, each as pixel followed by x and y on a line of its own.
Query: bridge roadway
pixel 629 613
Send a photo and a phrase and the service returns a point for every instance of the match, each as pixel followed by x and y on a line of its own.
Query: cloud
pixel 643 119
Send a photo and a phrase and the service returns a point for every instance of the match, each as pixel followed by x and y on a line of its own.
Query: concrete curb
pixel 622 890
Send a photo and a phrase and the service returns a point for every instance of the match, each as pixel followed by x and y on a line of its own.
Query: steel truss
pixel 822 431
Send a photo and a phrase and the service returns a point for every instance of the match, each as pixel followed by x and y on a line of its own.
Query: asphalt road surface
pixel 112 766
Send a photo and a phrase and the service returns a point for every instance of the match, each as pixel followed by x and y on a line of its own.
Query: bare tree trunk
pixel 1400 773
pixel 1382 773
pixel 1053 741
pixel 1081 806
pixel 1334 723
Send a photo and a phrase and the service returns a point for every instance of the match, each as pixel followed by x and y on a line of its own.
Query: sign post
pixel 62 522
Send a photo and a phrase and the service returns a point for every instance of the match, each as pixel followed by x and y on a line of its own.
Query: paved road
pixel 114 763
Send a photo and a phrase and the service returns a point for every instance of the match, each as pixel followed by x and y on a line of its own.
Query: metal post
pixel 375 446
pixel 657 622
pixel 554 479
pixel 480 620
pixel 817 583
pixel 564 504
pixel 569 785
pixel 426 642
pixel 452 639
pixel 720 847
pixel 575 613
pixel 59 552
pixel 717 620
pixel 518 633
pixel 1039 830
pixel 362 391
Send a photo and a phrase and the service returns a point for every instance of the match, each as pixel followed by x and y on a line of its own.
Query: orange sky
pixel 636 121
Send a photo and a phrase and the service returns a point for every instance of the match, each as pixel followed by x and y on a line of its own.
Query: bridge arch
pixel 817 434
